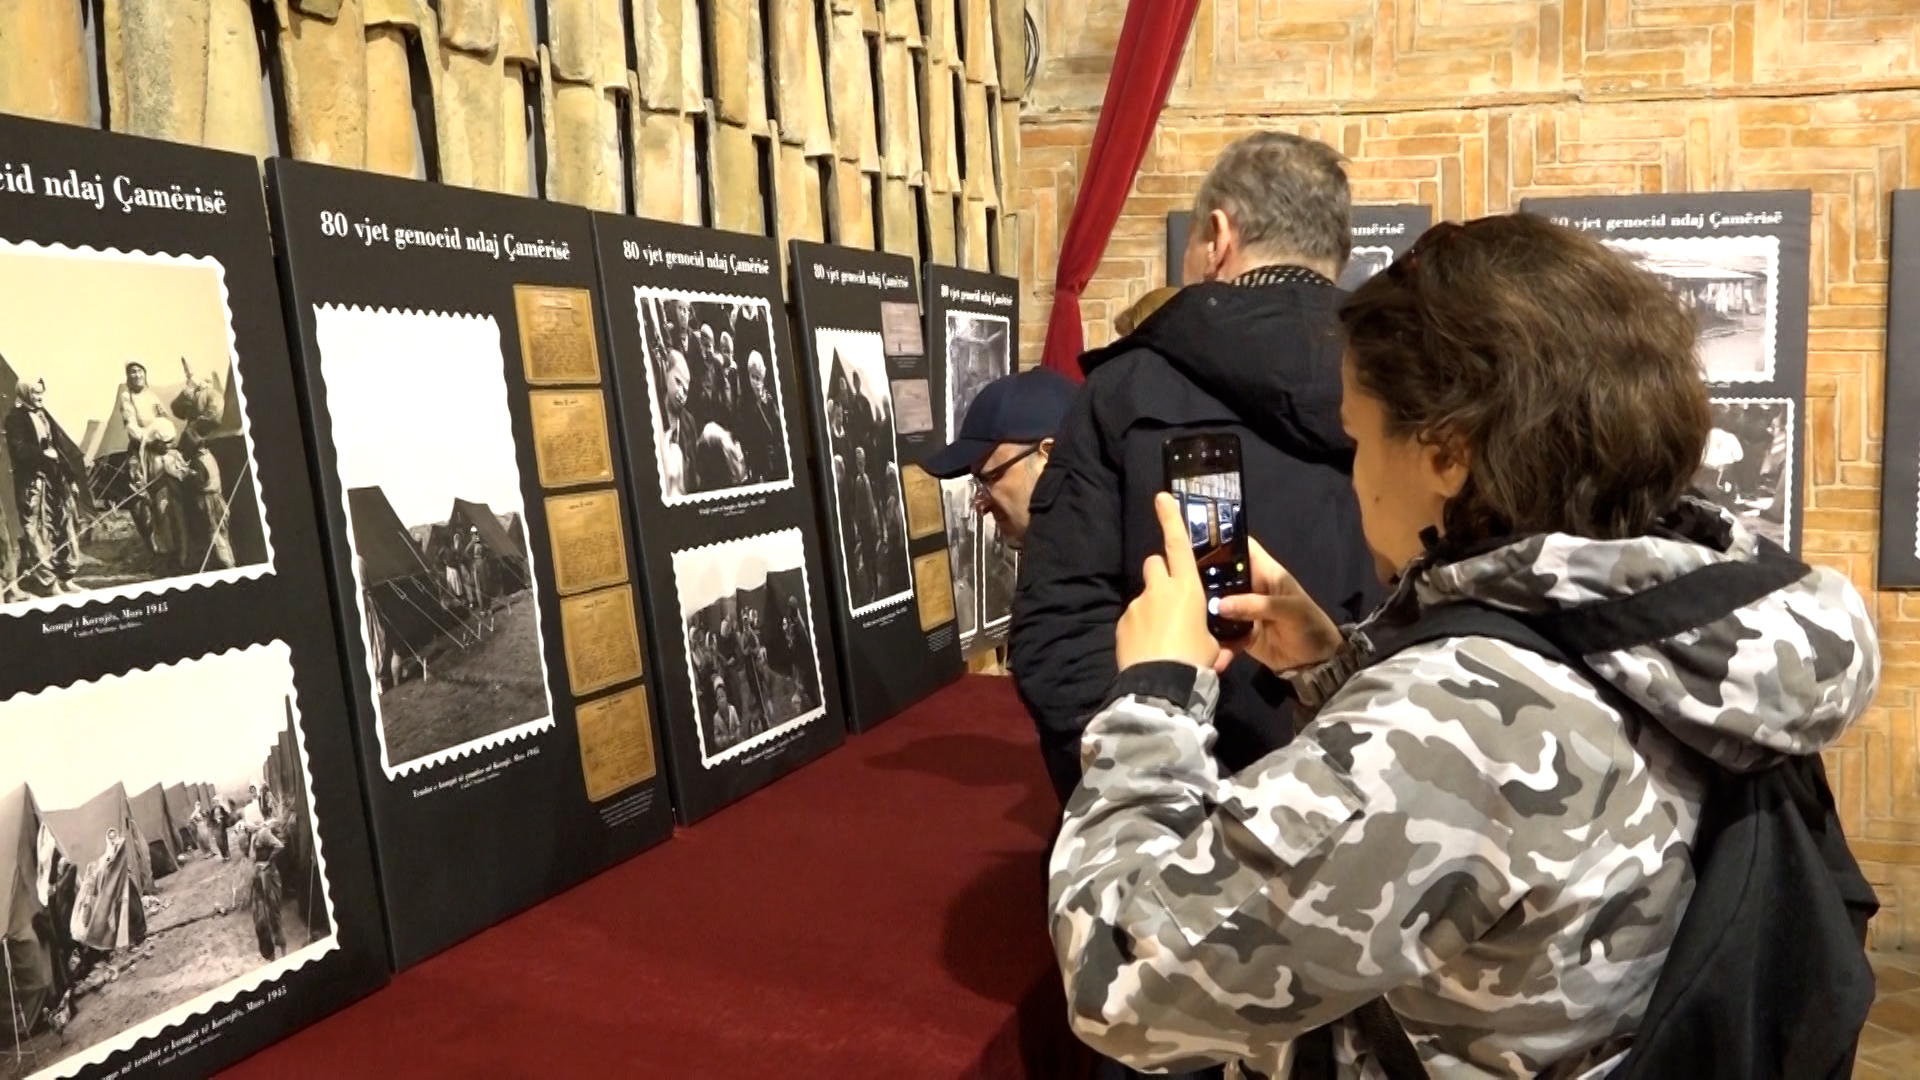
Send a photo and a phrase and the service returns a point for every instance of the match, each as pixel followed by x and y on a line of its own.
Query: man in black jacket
pixel 1250 347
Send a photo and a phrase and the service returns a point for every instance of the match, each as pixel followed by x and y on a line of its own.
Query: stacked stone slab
pixel 889 124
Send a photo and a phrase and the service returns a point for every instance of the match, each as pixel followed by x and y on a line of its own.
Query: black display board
pixel 1380 235
pixel 710 403
pixel 1900 487
pixel 460 419
pixel 973 326
pixel 893 608
pixel 1739 260
pixel 164 618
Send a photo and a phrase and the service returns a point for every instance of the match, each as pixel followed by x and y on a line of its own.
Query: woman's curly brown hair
pixel 1566 373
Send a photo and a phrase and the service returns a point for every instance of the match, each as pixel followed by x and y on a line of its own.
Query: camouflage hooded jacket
pixel 1466 827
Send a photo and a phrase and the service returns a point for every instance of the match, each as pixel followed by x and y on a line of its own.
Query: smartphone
pixel 1203 474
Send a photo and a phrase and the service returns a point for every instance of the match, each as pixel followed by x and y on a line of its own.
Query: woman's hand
pixel 1168 620
pixel 1289 630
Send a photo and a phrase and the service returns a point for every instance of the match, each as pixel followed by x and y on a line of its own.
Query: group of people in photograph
pixel 166 479
pixel 866 483
pixel 712 367
pixel 750 678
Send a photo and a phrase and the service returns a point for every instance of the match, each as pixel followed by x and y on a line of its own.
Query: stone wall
pixel 1469 107
pixel 871 123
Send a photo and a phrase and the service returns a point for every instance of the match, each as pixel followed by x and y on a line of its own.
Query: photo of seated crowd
pixel 713 380
pixel 121 909
pixel 126 458
pixel 866 476
pixel 451 623
pixel 750 638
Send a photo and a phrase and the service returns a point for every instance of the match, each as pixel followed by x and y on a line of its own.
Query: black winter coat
pixel 1260 361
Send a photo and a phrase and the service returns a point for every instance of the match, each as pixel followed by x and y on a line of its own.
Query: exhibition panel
pixel 461 426
pixel 185 857
pixel 893 605
pixel 1738 261
pixel 706 389
pixel 973 326
pixel 1900 490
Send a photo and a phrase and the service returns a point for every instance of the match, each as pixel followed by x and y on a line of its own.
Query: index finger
pixel 1174 535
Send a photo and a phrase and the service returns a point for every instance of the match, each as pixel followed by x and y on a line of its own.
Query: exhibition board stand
pixel 460 413
pixel 868 395
pixel 164 614
pixel 1900 428
pixel 973 325
pixel 1739 262
pixel 723 504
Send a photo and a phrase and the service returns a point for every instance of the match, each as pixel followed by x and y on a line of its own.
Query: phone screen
pixel 1203 473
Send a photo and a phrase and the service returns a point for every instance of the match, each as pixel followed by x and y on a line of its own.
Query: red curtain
pixel 1151 41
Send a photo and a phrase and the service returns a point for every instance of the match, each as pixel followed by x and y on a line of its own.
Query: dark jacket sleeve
pixel 1072 591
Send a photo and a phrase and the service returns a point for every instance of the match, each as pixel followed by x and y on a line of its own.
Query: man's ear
pixel 1224 243
pixel 1044 451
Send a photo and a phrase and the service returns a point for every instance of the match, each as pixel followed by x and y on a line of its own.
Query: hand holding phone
pixel 1203 475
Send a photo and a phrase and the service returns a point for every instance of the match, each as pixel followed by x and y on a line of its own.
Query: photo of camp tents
pixel 170 316
pixel 120 917
pixel 452 628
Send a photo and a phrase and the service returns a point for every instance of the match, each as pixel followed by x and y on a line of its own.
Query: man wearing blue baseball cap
pixel 1004 442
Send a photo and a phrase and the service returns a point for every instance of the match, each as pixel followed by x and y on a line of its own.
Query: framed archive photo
pixel 1739 262
pixel 461 425
pixel 973 323
pixel 1900 491
pixel 863 343
pixel 186 862
pixel 1381 234
pixel 709 397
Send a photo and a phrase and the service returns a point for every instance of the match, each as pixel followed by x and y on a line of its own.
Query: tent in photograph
pixel 302 877
pixel 409 606
pixel 107 913
pixel 82 832
pixel 180 809
pixel 30 959
pixel 506 559
pixel 150 813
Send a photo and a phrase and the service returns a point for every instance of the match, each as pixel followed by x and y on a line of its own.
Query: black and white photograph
pixel 1363 264
pixel 1730 284
pixel 1748 464
pixel 129 467
pixel 750 637
pixel 424 449
pixel 869 516
pixel 128 930
pixel 979 350
pixel 713 381
pixel 963 537
pixel 999 572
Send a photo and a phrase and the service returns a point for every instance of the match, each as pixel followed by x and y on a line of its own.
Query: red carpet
pixel 878 914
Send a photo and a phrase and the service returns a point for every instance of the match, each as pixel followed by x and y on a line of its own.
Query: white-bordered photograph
pixel 135 921
pixel 713 385
pixel 129 467
pixel 869 516
pixel 1748 464
pixel 999 572
pixel 752 661
pixel 1363 264
pixel 963 535
pixel 444 575
pixel 1731 285
pixel 979 350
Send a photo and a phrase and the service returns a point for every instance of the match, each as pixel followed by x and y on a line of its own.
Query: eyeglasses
pixel 983 481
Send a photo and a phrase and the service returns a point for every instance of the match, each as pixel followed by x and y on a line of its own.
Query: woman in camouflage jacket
pixel 1472 830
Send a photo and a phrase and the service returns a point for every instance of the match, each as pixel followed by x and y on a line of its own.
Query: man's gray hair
pixel 1287 198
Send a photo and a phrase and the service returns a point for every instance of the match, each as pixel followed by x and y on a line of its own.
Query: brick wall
pixel 1443 102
